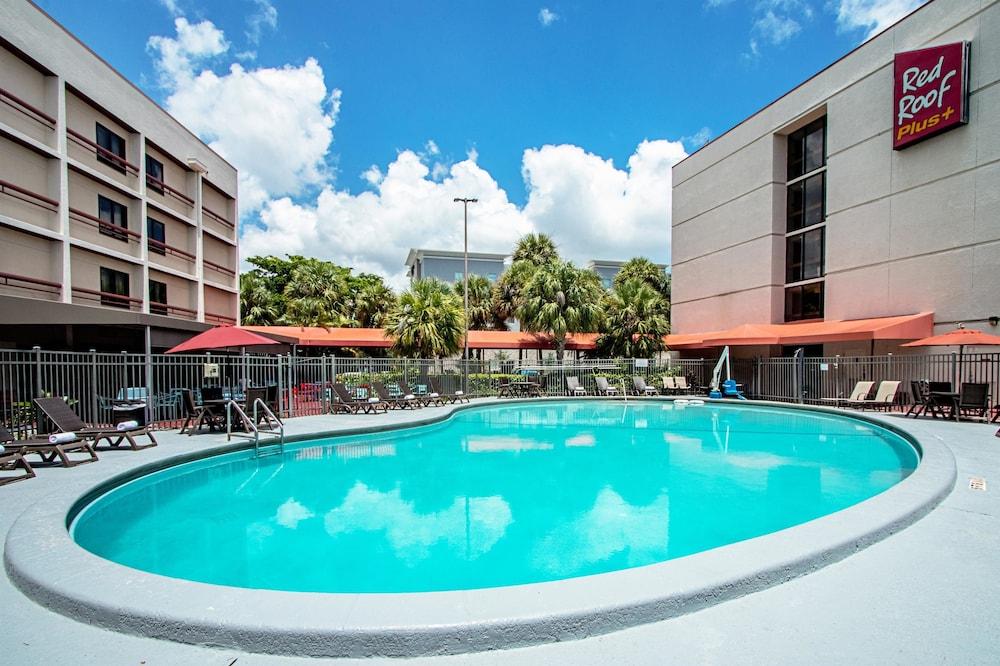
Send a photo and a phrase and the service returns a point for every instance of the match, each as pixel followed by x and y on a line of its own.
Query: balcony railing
pixel 109 299
pixel 169 310
pixel 100 151
pixel 26 109
pixel 18 192
pixel 219 318
pixel 107 227
pixel 217 267
pixel 30 283
pixel 163 188
pixel 160 247
pixel 218 218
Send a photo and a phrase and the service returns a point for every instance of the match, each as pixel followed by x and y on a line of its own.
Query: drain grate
pixel 977 483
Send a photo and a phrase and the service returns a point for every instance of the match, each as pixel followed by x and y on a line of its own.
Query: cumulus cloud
pixel 274 123
pixel 873 16
pixel 547 17
pixel 698 139
pixel 775 28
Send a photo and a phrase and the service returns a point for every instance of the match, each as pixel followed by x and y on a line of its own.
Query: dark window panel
pixel 804 302
pixel 154 174
pixel 807 149
pixel 113 214
pixel 114 283
pixel 156 231
pixel 112 143
pixel 806 202
pixel 157 297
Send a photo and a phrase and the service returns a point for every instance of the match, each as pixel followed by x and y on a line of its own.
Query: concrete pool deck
pixel 927 593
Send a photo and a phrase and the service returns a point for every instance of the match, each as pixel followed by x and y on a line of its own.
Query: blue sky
pixel 463 90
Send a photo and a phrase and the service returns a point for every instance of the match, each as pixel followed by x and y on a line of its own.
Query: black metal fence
pixel 98 384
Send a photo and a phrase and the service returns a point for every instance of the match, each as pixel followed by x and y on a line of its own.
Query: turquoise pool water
pixel 500 495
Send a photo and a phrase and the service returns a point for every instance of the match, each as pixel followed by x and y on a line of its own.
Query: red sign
pixel 930 92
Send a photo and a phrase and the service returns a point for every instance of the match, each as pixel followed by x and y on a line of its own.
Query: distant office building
pixel 607 270
pixel 115 221
pixel 449 266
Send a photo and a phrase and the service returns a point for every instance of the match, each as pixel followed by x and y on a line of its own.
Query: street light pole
pixel 465 286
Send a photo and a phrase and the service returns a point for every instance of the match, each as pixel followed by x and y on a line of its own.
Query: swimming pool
pixel 495 496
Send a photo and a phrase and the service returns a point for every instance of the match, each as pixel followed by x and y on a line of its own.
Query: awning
pixel 315 336
pixel 902 327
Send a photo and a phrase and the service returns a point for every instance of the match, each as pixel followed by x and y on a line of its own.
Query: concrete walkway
pixel 928 594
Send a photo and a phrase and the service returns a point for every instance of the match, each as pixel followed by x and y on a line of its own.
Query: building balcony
pixel 23 285
pixel 102 160
pixel 26 118
pixel 86 296
pixel 21 203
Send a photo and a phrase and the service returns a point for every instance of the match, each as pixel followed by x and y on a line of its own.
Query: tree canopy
pixel 560 298
pixel 635 321
pixel 427 321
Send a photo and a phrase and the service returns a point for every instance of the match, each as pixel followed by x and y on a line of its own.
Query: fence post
pixel 800 375
pixel 94 416
pixel 954 369
pixel 150 406
pixel 322 383
pixel 281 390
pixel 38 371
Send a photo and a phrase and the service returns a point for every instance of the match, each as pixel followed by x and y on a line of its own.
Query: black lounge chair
pixel 348 403
pixel 401 402
pixel 457 396
pixel 64 418
pixel 13 461
pixel 641 388
pixel 47 452
pixel 431 398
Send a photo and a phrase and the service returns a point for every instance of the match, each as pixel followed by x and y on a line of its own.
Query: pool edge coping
pixel 48 566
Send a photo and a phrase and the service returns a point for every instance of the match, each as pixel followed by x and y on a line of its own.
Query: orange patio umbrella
pixel 963 337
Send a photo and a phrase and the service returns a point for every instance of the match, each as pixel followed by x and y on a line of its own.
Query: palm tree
pixel 258 305
pixel 371 301
pixel 316 295
pixel 480 302
pixel 536 249
pixel 559 299
pixel 643 269
pixel 635 321
pixel 427 322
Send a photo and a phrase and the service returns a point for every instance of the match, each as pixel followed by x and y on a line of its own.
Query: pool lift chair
pixel 726 389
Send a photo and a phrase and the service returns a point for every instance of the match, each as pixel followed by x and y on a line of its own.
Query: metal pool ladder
pixel 274 424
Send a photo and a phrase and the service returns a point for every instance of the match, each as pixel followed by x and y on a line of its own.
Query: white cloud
pixel 776 29
pixel 873 16
pixel 698 139
pixel 547 17
pixel 178 56
pixel 171 6
pixel 266 17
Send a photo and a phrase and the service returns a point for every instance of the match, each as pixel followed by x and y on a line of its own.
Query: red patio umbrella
pixel 222 338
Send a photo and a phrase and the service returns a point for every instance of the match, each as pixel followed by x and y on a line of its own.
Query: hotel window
pixel 156 233
pixel 113 147
pixel 157 297
pixel 805 239
pixel 154 174
pixel 112 214
pixel 113 284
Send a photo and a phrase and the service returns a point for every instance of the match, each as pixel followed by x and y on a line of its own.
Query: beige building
pixel 115 220
pixel 804 211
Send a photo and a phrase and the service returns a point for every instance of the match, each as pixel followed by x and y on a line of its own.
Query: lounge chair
pixel 669 385
pixel 682 386
pixel 348 403
pixel 12 460
pixel 48 452
pixel 974 400
pixel 431 398
pixel 858 395
pixel 404 401
pixel 603 388
pixel 196 416
pixel 573 386
pixel 457 396
pixel 64 418
pixel 884 398
pixel 641 388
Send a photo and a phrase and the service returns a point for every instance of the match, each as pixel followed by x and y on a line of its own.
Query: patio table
pixel 939 401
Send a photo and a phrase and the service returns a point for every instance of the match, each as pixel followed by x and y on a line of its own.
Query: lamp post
pixel 465 287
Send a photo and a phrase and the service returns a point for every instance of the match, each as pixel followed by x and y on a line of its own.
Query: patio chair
pixel 603 388
pixel 858 395
pixel 64 418
pixel 348 403
pixel 641 388
pixel 681 385
pixel 211 393
pixel 920 391
pixel 974 400
pixel 196 416
pixel 12 461
pixel 884 398
pixel 404 401
pixel 48 452
pixel 669 385
pixel 425 400
pixel 573 386
pixel 455 396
